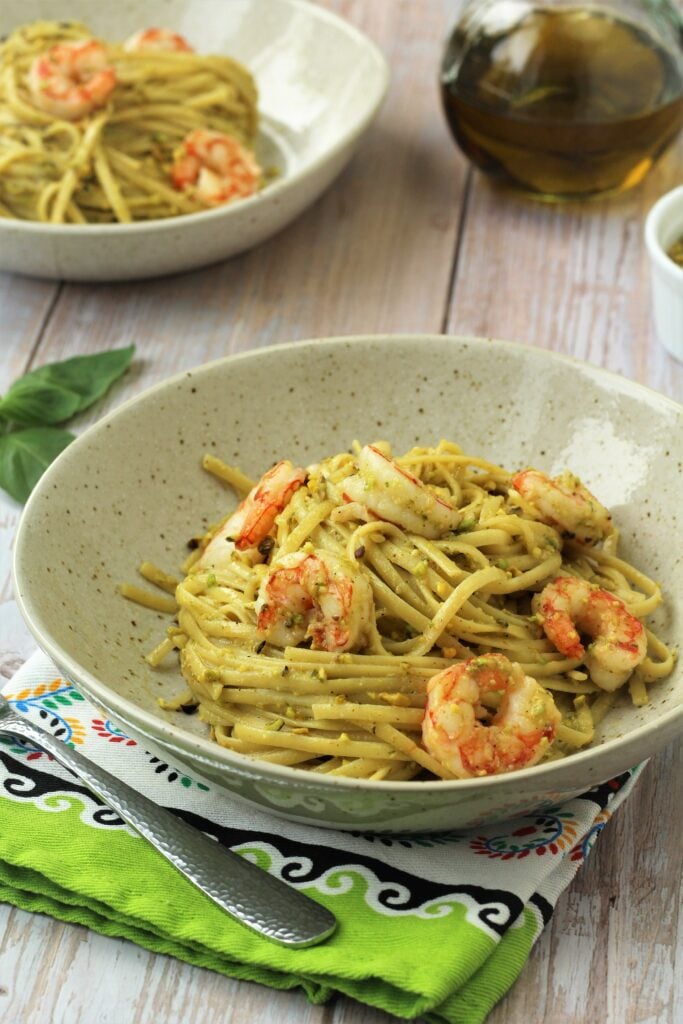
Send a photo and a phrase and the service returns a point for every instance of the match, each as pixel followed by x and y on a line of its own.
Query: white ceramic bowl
pixel 663 227
pixel 320 83
pixel 131 488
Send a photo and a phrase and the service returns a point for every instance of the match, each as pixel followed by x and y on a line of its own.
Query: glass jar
pixel 565 100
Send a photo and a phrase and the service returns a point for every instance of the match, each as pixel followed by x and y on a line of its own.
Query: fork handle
pixel 263 903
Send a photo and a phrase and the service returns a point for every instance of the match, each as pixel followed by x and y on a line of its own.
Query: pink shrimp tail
pixel 263 507
pixel 562 633
pixel 519 480
pixel 558 625
pixel 185 170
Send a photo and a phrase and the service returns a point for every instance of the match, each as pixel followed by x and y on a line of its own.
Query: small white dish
pixel 320 84
pixel 663 227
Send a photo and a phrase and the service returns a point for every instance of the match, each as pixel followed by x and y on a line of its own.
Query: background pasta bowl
pixel 111 505
pixel 314 111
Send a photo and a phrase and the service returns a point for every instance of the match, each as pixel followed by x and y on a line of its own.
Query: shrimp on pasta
pixel 159 39
pixel 390 492
pixel 71 80
pixel 563 501
pixel 519 733
pixel 215 168
pixel 315 596
pixel 619 643
pixel 250 524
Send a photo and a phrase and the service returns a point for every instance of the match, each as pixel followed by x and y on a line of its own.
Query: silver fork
pixel 265 904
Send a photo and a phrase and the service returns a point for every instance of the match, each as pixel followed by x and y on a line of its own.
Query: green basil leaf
pixel 35 402
pixel 26 454
pixel 56 392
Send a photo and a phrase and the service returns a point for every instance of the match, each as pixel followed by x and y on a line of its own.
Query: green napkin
pixel 434 926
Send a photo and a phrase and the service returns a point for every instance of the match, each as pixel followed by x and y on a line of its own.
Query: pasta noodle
pixel 113 163
pixel 353 706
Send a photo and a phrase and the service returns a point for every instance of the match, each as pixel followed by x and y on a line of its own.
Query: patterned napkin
pixel 433 926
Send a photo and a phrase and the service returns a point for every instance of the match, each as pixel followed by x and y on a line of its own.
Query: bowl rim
pixel 201 747
pixel 672 200
pixel 374 100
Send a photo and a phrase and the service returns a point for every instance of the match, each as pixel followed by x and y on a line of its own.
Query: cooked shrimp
pixel 221 546
pixel 619 638
pixel 391 493
pixel 564 502
pixel 71 79
pixel 215 168
pixel 157 39
pixel 316 596
pixel 254 518
pixel 519 733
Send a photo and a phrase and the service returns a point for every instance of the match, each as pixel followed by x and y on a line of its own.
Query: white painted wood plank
pixel 24 307
pixel 65 974
pixel 573 278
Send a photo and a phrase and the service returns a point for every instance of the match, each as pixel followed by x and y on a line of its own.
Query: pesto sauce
pixel 675 252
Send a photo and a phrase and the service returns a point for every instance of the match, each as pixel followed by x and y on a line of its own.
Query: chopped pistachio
pixel 401 700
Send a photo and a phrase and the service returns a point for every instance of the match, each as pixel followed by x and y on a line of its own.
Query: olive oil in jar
pixel 561 102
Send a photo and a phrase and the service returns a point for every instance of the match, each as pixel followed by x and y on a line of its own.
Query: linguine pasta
pixel 435 602
pixel 113 163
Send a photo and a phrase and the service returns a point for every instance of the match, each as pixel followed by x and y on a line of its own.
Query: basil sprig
pixel 42 398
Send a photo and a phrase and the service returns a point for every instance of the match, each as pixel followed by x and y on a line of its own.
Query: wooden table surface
pixel 408 239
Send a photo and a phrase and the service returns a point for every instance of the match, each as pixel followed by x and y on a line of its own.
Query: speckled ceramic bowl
pixel 131 488
pixel 320 82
